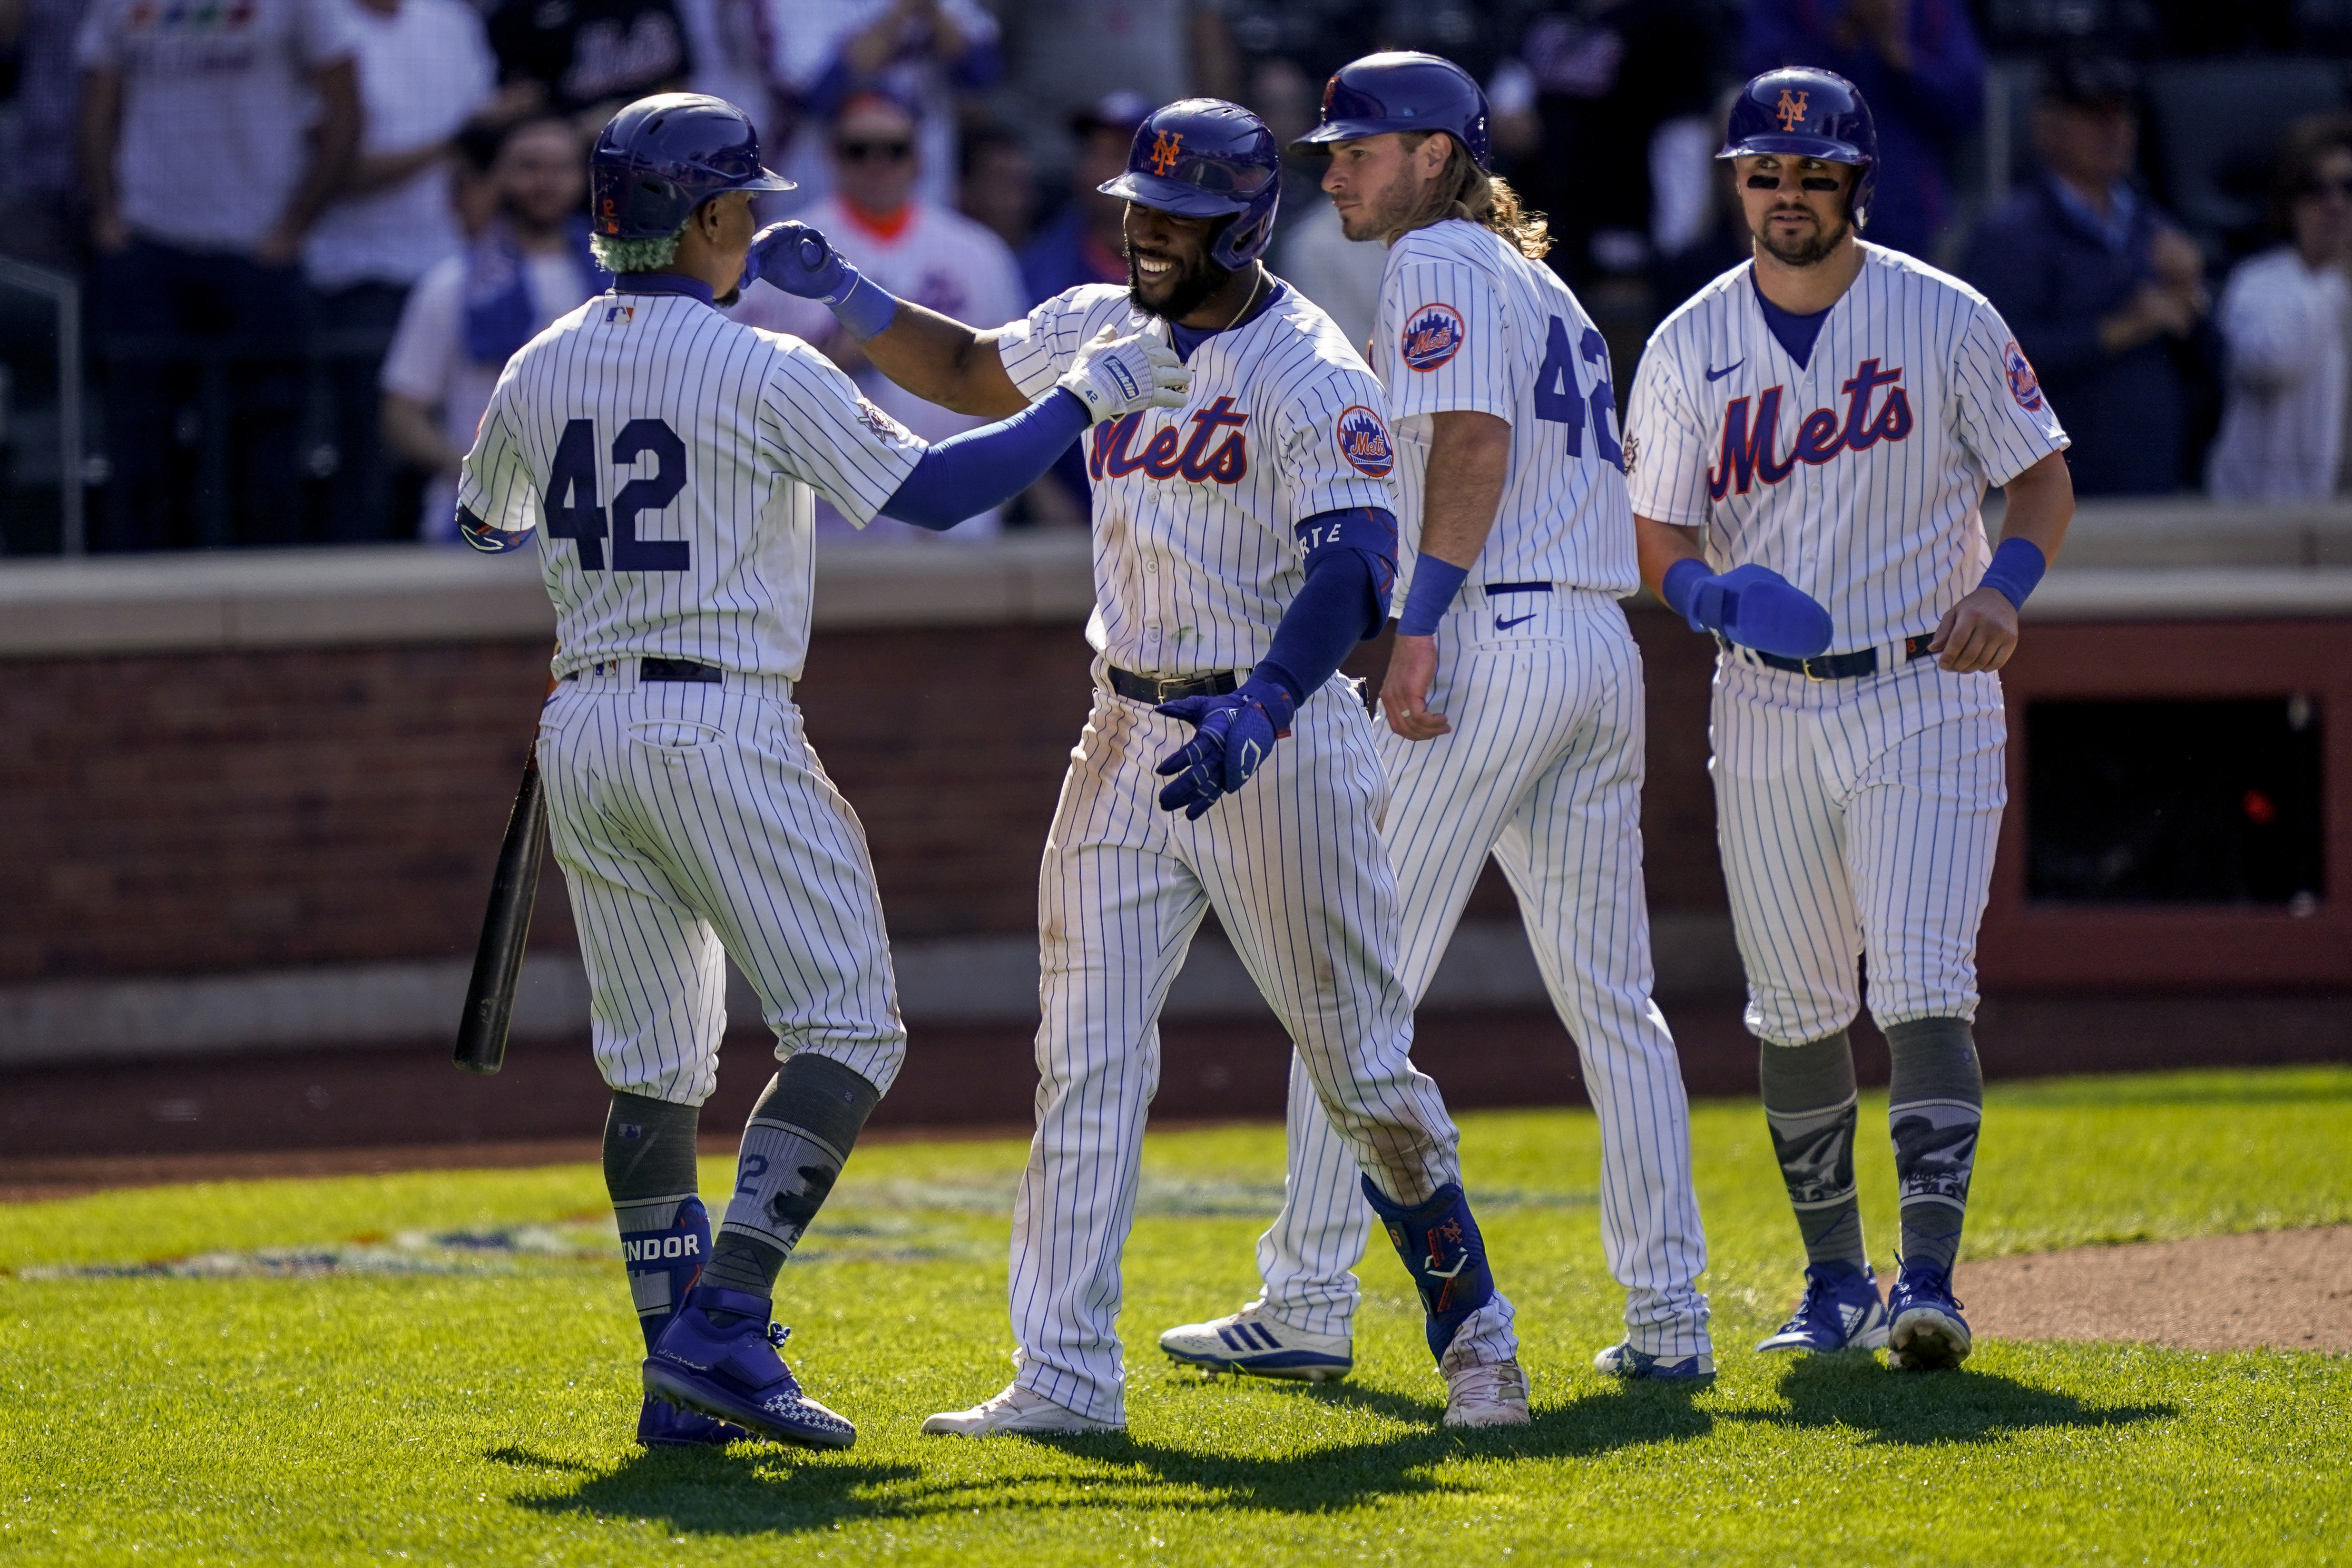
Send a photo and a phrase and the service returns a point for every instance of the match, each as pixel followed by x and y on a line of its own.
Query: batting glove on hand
pixel 1754 606
pixel 800 261
pixel 1114 375
pixel 1236 734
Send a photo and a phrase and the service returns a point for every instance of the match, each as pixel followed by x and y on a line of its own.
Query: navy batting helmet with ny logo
pixel 1203 157
pixel 1805 111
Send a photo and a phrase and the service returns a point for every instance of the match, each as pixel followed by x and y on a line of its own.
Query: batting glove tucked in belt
pixel 1114 376
pixel 1237 733
pixel 1752 606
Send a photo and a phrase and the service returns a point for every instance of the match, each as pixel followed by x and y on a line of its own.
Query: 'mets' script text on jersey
pixel 1857 476
pixel 1467 323
pixel 1195 557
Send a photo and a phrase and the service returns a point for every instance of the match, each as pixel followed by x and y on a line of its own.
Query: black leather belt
pixel 673 669
pixel 1157 689
pixel 1841 665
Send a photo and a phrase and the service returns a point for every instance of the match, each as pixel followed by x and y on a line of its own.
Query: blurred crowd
pixel 311 231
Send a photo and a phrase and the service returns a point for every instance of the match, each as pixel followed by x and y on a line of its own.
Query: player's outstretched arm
pixel 1980 631
pixel 1469 458
pixel 935 357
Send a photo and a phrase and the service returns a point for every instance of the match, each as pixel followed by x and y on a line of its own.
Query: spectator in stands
pixel 2106 295
pixel 1085 243
pixel 211 138
pixel 1317 257
pixel 1918 63
pixel 2286 317
pixel 1061 56
pixel 425 68
pixel 998 189
pixel 932 255
pixel 923 52
pixel 584 59
pixel 46 219
pixel 469 312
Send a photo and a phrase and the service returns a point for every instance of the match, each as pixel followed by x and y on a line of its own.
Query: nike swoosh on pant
pixel 1503 625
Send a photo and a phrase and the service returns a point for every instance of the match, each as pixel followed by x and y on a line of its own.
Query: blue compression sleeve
pixel 971 472
pixel 1349 568
pixel 2016 567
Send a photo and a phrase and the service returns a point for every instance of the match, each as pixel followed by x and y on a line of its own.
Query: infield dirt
pixel 2281 1290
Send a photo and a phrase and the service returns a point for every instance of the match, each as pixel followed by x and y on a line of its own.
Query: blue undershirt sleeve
pixel 979 468
pixel 1350 568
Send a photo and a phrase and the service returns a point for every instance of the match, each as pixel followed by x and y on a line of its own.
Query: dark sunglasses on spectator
pixel 1806 182
pixel 2326 188
pixel 859 152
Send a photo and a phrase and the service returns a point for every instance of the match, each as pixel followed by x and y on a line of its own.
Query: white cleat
pixel 1487 1394
pixel 1015 1410
pixel 1249 1342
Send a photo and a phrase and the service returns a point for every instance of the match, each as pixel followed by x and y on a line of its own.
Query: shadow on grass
pixel 1962 1406
pixel 782 1490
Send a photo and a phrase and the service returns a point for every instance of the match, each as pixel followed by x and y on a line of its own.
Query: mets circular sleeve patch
pixel 2023 384
pixel 1363 438
pixel 1433 334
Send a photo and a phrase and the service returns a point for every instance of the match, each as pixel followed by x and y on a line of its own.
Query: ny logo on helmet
pixel 1165 147
pixel 1791 108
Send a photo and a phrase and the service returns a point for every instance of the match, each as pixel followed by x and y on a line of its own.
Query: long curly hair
pixel 1464 190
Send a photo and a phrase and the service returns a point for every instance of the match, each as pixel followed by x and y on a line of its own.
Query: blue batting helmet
pixel 1806 113
pixel 1203 157
pixel 664 156
pixel 1401 91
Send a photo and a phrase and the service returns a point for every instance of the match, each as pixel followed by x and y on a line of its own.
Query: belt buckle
pixel 1808 665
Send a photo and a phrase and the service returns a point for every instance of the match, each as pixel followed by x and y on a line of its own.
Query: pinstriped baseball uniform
pixel 669 458
pixel 1540 678
pixel 1195 560
pixel 1858 815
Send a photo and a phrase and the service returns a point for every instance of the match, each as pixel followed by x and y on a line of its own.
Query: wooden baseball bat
pixel 497 958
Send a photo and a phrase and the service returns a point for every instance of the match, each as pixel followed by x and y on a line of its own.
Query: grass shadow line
pixel 1959 1406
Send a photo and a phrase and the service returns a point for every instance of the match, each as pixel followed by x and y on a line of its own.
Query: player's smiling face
pixel 1796 207
pixel 1169 272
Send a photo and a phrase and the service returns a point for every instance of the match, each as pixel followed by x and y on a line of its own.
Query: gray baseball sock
pixel 799 1134
pixel 649 1172
pixel 1809 1103
pixel 1934 1103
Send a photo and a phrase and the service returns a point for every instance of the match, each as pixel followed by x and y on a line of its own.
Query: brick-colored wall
pixel 192 812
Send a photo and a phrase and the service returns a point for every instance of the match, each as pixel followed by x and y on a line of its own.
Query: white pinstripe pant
pixel 1857 816
pixel 1542 769
pixel 690 818
pixel 1293 865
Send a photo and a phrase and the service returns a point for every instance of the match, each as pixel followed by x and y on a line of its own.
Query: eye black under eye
pixel 1818 182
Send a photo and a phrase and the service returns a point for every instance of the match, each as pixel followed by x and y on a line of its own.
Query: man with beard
pixel 1242 547
pixel 1831 411
pixel 1514 701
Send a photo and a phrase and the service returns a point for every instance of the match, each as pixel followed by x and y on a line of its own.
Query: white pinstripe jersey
pixel 1467 323
pixel 1194 556
pixel 1858 476
pixel 672 455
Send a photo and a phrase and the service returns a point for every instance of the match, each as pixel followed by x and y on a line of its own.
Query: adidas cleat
pixel 1926 1332
pixel 1249 1342
pixel 1841 1311
pixel 735 1374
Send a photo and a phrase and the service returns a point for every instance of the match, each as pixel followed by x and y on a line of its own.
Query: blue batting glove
pixel 1752 606
pixel 1235 735
pixel 800 261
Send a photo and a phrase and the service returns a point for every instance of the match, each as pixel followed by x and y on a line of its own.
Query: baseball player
pixel 1514 705
pixel 1242 546
pixel 672 457
pixel 1823 420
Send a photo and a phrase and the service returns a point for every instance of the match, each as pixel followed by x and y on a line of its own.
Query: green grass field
pixel 441 1368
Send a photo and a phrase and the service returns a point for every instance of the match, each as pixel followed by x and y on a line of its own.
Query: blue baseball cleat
pixel 734 1373
pixel 1927 1333
pixel 1624 1360
pixel 1841 1311
pixel 661 1426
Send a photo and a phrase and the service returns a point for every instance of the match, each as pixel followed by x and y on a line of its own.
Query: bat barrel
pixel 506 927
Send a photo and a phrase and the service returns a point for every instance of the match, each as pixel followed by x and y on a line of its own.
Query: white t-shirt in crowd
pixel 2289 329
pixel 428 362
pixel 943 261
pixel 423 71
pixel 217 102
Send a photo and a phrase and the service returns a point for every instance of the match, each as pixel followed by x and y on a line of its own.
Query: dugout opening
pixel 2168 802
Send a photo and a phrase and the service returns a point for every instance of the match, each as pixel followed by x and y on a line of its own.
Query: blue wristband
pixel 1434 583
pixel 866 309
pixel 2016 567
